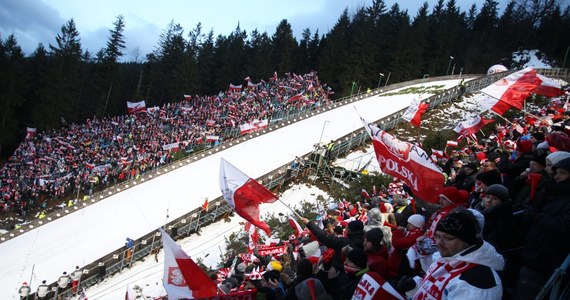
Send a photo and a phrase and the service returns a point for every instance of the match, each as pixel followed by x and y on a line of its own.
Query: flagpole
pixel 503 118
pixel 296 214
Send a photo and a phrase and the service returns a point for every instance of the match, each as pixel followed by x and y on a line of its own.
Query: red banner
pixel 271 250
pixel 242 295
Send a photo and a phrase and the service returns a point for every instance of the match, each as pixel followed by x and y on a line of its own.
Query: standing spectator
pixel 546 244
pixel 129 245
pixel 42 291
pixel 513 168
pixel 63 282
pixel 75 279
pixel 24 291
pixel 402 240
pixel 467 268
pixel 376 252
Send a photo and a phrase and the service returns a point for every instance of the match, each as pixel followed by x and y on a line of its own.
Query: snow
pixel 88 234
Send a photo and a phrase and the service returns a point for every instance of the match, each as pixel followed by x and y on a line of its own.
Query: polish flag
pixel 244 194
pixel 182 277
pixel 253 237
pixel 437 153
pixel 548 87
pixel 295 98
pixel 365 194
pixel 30 132
pixel 489 103
pixel 415 111
pixel 372 286
pixel 130 294
pixel 407 162
pixel 187 97
pixel 472 126
pixel 515 88
pixel 296 227
pixel 235 87
pixel 136 107
pixel 452 144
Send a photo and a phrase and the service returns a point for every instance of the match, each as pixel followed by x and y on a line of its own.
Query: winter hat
pixel 274 265
pixel 24 283
pixel 463 196
pixel 271 274
pixel 539 136
pixel 490 177
pixel 524 146
pixel 309 289
pixel 375 236
pixel 471 165
pixel 461 225
pixel 539 158
pixel 451 193
pixel 417 220
pixel 355 226
pixel 499 191
pixel 563 164
pixel 241 267
pixel 557 156
pixel 358 257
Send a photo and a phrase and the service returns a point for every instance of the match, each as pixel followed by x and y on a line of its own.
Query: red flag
pixel 136 107
pixel 235 87
pixel 472 126
pixel 187 97
pixel 182 277
pixel 415 111
pixel 365 194
pixel 205 205
pixel 486 103
pixel 130 294
pixel 452 144
pixel 407 162
pixel 30 132
pixel 244 194
pixel 296 227
pixel 515 88
pixel 253 237
pixel 372 286
pixel 548 87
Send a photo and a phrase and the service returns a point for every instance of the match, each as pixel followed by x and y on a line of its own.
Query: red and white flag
pixel 82 295
pixel 515 88
pixel 408 162
pixel 253 237
pixel 415 111
pixel 136 107
pixel 548 87
pixel 372 286
pixel 364 193
pixel 130 294
pixel 437 153
pixel 296 226
pixel 182 277
pixel 30 132
pixel 244 194
pixel 452 144
pixel 235 87
pixel 187 97
pixel 472 125
pixel 247 78
pixel 295 98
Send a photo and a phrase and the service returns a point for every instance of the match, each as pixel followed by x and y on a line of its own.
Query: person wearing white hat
pixel 402 240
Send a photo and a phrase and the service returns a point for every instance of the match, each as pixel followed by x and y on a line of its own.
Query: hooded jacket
pixel 473 275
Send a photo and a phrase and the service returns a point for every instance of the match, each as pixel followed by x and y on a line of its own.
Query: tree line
pixel 64 83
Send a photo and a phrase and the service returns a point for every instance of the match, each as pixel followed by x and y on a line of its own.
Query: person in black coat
pixel 547 243
pixel 498 213
pixel 512 169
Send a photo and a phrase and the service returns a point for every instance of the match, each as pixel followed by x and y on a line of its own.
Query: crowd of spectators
pixel 59 164
pixel 498 232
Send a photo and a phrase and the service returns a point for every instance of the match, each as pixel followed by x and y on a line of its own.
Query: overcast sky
pixel 35 21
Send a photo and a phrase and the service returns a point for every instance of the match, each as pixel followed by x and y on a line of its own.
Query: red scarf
pixel 437 278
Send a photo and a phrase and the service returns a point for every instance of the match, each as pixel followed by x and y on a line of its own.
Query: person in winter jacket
pixel 498 212
pixel 513 168
pixel 355 266
pixel 467 268
pixel 546 244
pixel 75 278
pixel 42 291
pixel 376 219
pixel 402 240
pixel 24 291
pixel 376 252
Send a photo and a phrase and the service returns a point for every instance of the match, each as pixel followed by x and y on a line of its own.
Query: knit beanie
pixel 499 191
pixel 539 158
pixel 375 236
pixel 309 289
pixel 563 164
pixel 304 268
pixel 557 156
pixel 461 225
pixel 451 193
pixel 355 226
pixel 417 220
pixel 358 257
pixel 524 146
pixel 490 177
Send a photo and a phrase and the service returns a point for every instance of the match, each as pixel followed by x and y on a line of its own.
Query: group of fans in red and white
pixel 498 231
pixel 53 164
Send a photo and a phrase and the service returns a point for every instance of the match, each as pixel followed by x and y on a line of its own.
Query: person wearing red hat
pixel 24 291
pixel 449 199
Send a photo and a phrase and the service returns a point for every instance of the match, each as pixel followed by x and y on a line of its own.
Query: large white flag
pixel 182 277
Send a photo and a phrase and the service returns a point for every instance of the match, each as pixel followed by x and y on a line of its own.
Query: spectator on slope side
pixel 42 291
pixel 467 268
pixel 24 291
pixel 62 282
pixel 129 245
pixel 524 188
pixel 513 168
pixel 75 278
pixel 548 224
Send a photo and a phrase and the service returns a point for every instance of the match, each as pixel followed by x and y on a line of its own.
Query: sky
pixel 35 21
pixel 83 236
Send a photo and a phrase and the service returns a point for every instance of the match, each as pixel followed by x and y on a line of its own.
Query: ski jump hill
pixel 92 234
